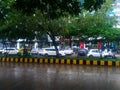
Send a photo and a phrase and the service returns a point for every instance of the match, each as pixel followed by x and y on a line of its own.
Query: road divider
pixel 61 61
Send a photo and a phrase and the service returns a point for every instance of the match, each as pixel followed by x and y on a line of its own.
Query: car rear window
pixel 9 49
pixel 50 49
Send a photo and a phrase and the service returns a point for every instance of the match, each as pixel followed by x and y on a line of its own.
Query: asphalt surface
pixel 20 76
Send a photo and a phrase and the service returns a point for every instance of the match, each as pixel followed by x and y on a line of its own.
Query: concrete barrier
pixel 61 61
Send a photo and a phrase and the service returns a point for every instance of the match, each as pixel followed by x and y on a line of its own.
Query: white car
pixel 35 51
pixel 50 52
pixel 68 51
pixel 98 53
pixel 11 51
pixel 1 50
pixel 108 54
pixel 94 53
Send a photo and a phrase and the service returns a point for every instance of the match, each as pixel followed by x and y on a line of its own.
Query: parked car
pixel 107 53
pixel 94 53
pixel 1 50
pixel 35 51
pixel 10 51
pixel 82 52
pixel 99 53
pixel 68 51
pixel 50 52
pixel 75 48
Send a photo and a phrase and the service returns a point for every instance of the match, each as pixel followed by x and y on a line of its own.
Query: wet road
pixel 19 76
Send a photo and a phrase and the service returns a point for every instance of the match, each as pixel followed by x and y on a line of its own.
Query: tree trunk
pixel 54 43
pixel 70 42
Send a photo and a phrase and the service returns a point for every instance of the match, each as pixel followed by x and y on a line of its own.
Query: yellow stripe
pixel 102 62
pixel 74 61
pixel 117 63
pixel 68 61
pixel 87 62
pixel 109 63
pixel 3 59
pixel 46 60
pixel 30 60
pixel 11 60
pixel 51 61
pixel 57 61
pixel 16 59
pixel 7 59
pixel 95 62
pixel 62 61
pixel 41 60
pixel 21 59
pixel 36 60
pixel 26 60
pixel 81 62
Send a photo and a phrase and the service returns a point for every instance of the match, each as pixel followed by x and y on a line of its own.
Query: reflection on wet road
pixel 19 76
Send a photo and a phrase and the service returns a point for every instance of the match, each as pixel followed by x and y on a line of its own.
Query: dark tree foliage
pixel 4 9
pixel 93 4
pixel 56 8
pixel 50 8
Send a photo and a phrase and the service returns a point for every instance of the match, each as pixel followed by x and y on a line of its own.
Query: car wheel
pixel 32 54
pixel 46 55
pixel 105 56
pixel 60 55
pixel 5 54
pixel 113 57
pixel 91 56
pixel 40 54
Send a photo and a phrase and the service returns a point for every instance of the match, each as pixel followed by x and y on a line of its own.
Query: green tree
pixel 25 17
pixel 93 4
pixel 93 24
pixel 52 11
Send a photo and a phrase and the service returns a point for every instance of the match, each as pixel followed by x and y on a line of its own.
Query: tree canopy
pixel 30 18
pixel 94 24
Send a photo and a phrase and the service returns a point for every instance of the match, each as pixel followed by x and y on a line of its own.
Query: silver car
pixel 10 51
pixel 99 53
pixel 50 52
pixel 94 53
pixel 35 51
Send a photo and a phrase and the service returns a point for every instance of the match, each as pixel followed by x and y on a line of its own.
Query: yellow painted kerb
pixel 30 60
pixel 68 61
pixel 81 62
pixel 26 60
pixel 7 59
pixel 102 62
pixel 41 60
pixel 3 59
pixel 109 63
pixel 62 61
pixel 87 62
pixel 11 59
pixel 95 62
pixel 117 63
pixel 74 61
pixel 57 61
pixel 46 60
pixel 51 61
pixel 16 59
pixel 21 59
pixel 36 60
